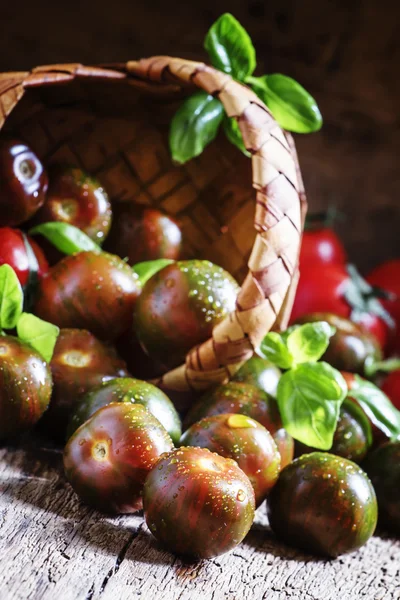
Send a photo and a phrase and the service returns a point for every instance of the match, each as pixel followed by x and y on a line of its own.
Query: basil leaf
pixel 65 237
pixel 377 406
pixel 291 105
pixel 194 126
pixel 41 335
pixel 11 297
pixel 148 268
pixel 234 135
pixel 274 349
pixel 309 398
pixel 309 342
pixel 230 47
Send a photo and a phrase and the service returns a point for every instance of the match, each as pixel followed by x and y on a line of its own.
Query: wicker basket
pixel 113 122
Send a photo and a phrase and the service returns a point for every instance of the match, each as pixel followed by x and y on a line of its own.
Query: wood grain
pixel 51 546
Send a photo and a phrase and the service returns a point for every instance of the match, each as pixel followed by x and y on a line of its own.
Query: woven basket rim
pixel 267 293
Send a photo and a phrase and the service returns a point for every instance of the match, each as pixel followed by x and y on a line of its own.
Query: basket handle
pixel 267 294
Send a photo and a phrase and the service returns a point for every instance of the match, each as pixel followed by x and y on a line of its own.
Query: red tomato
pixel 321 247
pixel 387 277
pixel 323 289
pixel 13 252
pixel 391 387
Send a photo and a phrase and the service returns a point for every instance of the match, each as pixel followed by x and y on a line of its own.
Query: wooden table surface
pixel 52 547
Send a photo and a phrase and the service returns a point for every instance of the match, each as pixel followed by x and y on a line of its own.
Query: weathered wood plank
pixel 53 547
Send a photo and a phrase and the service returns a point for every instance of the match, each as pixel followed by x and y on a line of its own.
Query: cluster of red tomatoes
pixel 328 285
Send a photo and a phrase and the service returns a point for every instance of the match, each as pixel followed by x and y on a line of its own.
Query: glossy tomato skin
pixel 76 198
pixel 89 290
pixel 245 441
pixel 387 277
pixel 134 391
pixel 179 307
pixel 324 504
pixel 383 467
pixel 350 347
pixel 246 399
pixel 141 233
pixel 80 362
pixel 198 503
pixel 23 183
pixel 321 247
pixel 391 387
pixel 353 435
pixel 261 373
pixel 322 289
pixel 25 386
pixel 108 458
pixel 14 252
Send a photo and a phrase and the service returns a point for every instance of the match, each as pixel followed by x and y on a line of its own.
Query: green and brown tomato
pixel 139 363
pixel 324 504
pixel 23 183
pixel 246 399
pixel 197 503
pixel 25 386
pixel 350 347
pixel 179 307
pixel 80 362
pixel 108 458
pixel 383 467
pixel 245 441
pixel 353 435
pixel 134 391
pixel 89 290
pixel 140 233
pixel 261 373
pixel 76 198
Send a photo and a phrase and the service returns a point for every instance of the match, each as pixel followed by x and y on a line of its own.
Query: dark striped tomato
pixel 245 441
pixel 126 389
pixel 246 399
pixel 25 386
pixel 80 362
pixel 76 198
pixel 261 373
pixel 324 504
pixel 353 435
pixel 108 458
pixel 23 183
pixel 179 307
pixel 141 233
pixel 198 503
pixel 383 467
pixel 350 347
pixel 89 290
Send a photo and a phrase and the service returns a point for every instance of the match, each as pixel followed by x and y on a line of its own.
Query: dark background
pixel 346 53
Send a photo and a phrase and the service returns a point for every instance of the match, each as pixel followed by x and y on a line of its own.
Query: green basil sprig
pixel 194 126
pixel 65 237
pixel 199 118
pixel 41 335
pixel 309 393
